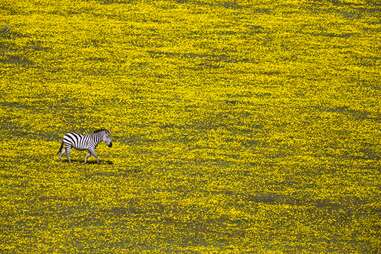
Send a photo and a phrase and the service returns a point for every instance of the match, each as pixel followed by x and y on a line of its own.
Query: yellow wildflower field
pixel 238 126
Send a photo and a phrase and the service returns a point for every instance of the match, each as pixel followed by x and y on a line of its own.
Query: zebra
pixel 84 142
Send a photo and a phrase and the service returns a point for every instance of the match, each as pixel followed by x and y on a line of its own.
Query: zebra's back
pixel 78 141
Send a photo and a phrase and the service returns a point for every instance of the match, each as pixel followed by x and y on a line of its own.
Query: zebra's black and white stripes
pixel 84 142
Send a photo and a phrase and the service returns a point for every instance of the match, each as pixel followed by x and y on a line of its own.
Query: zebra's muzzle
pixel 110 145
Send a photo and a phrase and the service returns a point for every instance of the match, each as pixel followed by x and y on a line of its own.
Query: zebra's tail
pixel 62 144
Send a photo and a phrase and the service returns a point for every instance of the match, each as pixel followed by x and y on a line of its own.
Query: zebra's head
pixel 106 136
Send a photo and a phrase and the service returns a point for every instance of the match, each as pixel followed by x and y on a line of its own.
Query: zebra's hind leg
pixel 61 152
pixel 67 149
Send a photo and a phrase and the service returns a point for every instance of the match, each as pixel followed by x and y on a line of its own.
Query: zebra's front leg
pixel 67 149
pixel 92 152
pixel 87 156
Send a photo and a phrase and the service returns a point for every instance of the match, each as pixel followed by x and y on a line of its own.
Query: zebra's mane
pixel 103 129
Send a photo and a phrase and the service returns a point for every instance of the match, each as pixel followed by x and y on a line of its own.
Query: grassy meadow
pixel 238 126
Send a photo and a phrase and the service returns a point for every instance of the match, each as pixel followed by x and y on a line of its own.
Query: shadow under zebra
pixel 93 162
